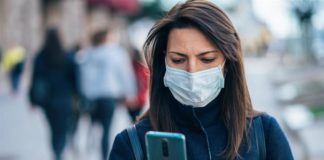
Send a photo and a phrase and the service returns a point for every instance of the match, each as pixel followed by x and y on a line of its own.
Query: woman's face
pixel 189 50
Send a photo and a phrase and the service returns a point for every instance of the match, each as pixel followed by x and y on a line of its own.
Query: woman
pixel 13 63
pixel 198 88
pixel 53 83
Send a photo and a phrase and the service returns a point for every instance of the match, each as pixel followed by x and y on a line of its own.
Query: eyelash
pixel 204 60
pixel 178 61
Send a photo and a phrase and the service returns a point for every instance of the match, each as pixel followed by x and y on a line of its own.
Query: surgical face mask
pixel 194 89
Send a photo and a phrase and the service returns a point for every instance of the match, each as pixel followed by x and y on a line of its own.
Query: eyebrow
pixel 200 54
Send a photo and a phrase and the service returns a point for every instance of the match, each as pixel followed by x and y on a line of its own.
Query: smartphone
pixel 165 146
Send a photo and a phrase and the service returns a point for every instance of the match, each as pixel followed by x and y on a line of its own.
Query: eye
pixel 207 60
pixel 178 61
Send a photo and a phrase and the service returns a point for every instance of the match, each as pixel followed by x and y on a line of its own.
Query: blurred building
pixel 24 22
pixel 20 24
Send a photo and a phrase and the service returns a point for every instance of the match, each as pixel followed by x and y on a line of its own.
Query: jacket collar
pixel 190 117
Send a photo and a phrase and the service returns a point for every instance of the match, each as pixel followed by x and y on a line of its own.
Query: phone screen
pixel 165 146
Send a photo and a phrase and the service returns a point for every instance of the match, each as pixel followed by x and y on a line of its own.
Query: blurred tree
pixel 19 24
pixel 304 10
pixel 151 9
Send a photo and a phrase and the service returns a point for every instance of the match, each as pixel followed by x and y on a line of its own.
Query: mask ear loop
pixel 222 67
pixel 165 60
pixel 223 64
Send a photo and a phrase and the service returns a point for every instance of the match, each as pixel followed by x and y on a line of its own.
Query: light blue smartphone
pixel 165 146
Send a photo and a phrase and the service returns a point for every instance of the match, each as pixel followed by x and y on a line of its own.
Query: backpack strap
pixel 136 145
pixel 259 136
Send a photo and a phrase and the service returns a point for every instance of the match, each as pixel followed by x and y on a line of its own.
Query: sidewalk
pixel 24 133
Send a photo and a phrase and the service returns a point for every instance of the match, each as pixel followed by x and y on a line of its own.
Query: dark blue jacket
pixel 206 136
pixel 61 81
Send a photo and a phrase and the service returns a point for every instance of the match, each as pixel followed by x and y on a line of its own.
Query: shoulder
pixel 122 146
pixel 268 122
pixel 270 125
pixel 121 149
pixel 141 126
pixel 117 50
pixel 277 144
pixel 113 47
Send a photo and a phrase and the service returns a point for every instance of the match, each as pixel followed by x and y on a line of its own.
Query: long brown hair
pixel 236 105
pixel 52 50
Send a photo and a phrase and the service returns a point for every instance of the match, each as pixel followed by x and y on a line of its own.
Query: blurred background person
pixel 142 77
pixel 52 89
pixel 13 63
pixel 106 78
pixel 76 96
pixel 0 54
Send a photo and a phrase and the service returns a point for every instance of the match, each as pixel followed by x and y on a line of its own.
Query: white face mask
pixel 194 89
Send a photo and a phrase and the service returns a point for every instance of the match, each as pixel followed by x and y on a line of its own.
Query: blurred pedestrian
pixel 76 111
pixel 106 79
pixel 13 64
pixel 198 88
pixel 141 73
pixel 0 54
pixel 52 89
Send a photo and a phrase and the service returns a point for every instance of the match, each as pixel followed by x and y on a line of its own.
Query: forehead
pixel 188 40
